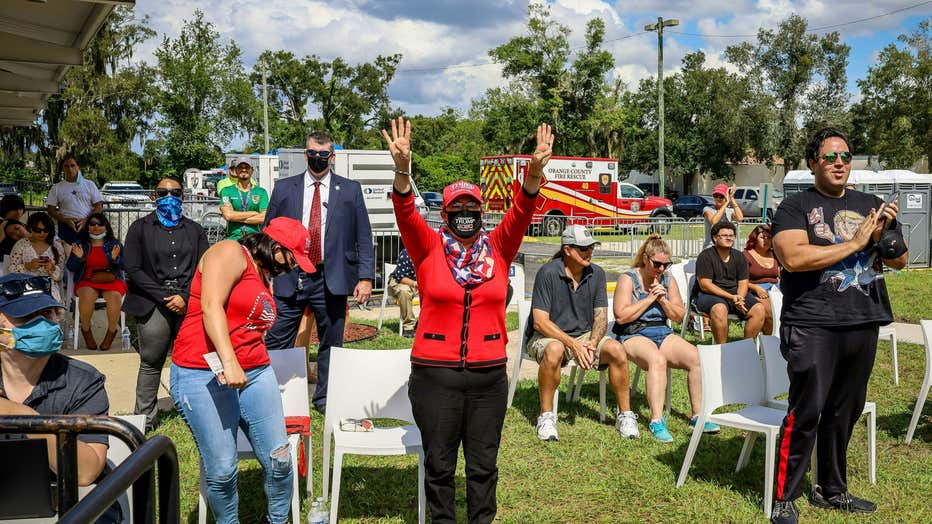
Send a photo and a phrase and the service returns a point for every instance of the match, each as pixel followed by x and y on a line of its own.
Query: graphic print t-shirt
pixel 848 293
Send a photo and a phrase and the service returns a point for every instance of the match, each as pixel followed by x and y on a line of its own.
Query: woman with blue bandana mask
pixel 161 254
pixel 35 379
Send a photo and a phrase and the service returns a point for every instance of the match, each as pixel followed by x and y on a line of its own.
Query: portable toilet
pixel 915 192
pixel 873 182
pixel 797 181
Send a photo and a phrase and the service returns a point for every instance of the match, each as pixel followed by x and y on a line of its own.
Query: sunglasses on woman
pixel 832 157
pixel 15 288
pixel 39 230
pixel 659 265
pixel 95 224
pixel 163 192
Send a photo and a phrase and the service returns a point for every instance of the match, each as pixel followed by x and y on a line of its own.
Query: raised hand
pixel 115 253
pixel 399 143
pixel 543 151
pixel 77 251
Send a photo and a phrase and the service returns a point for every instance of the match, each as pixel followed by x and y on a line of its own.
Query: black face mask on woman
pixel 317 164
pixel 464 224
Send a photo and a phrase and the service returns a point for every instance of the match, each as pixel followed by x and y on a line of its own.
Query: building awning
pixel 39 41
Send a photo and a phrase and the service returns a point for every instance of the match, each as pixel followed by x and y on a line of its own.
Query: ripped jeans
pixel 213 413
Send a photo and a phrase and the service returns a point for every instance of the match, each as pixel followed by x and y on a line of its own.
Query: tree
pixel 894 117
pixel 205 97
pixel 781 66
pixel 448 149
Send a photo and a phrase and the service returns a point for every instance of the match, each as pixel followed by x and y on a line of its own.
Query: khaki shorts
pixel 538 344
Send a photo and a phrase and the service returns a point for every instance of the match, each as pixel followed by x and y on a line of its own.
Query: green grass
pixel 910 295
pixel 592 475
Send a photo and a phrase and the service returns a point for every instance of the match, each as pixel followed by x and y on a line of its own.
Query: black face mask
pixel 465 224
pixel 318 165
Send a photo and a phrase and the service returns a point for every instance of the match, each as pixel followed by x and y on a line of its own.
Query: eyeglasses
pixel 468 206
pixel 95 224
pixel 726 237
pixel 163 192
pixel 322 154
pixel 15 288
pixel 585 249
pixel 832 157
pixel 660 265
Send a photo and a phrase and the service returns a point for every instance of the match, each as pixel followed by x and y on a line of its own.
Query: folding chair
pixel 889 331
pixel 291 373
pixel 732 374
pixel 926 381
pixel 369 384
pixel 387 270
pixel 72 299
pixel 777 382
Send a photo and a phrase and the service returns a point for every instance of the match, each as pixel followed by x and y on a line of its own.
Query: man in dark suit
pixel 333 210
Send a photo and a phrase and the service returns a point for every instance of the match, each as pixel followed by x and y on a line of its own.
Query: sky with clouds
pixel 445 43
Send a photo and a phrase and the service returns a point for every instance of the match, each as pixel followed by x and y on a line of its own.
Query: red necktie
pixel 313 226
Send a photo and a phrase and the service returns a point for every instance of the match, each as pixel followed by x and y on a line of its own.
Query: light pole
pixel 265 106
pixel 661 23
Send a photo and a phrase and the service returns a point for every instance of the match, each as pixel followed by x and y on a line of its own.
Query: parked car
pixel 8 188
pixel 690 206
pixel 748 200
pixel 432 199
pixel 126 194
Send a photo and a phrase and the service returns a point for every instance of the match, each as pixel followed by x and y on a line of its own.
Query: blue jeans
pixel 213 412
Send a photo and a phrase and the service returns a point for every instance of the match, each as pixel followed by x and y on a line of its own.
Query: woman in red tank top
pixel 229 311
pixel 763 270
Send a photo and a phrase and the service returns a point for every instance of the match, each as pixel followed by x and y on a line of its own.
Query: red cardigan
pixel 459 327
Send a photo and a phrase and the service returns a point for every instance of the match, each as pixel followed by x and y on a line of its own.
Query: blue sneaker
pixel 660 432
pixel 708 427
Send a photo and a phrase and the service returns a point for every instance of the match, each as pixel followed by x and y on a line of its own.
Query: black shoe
pixel 408 333
pixel 784 512
pixel 843 502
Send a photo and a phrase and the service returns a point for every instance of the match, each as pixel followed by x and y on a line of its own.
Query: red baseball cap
pixel 461 188
pixel 293 236
pixel 721 189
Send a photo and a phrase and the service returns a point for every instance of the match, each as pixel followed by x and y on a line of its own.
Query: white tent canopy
pixel 39 41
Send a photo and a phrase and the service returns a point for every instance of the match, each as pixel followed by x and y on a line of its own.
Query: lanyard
pixel 239 193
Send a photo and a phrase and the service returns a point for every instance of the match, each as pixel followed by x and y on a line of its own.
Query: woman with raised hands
pixel 458 385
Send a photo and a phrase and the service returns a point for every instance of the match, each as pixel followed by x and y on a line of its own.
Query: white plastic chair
pixel 291 373
pixel 692 283
pixel 926 381
pixel 777 382
pixel 889 331
pixel 732 374
pixel 776 305
pixel 369 384
pixel 574 386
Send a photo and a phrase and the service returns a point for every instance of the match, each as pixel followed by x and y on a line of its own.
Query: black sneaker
pixel 784 512
pixel 843 502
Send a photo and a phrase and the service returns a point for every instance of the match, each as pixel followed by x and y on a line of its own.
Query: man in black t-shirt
pixel 722 275
pixel 831 242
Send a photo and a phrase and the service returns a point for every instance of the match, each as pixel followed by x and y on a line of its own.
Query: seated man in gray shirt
pixel 569 317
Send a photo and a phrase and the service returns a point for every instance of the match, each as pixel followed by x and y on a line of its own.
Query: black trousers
pixel 828 369
pixel 452 406
pixel 330 314
pixel 157 332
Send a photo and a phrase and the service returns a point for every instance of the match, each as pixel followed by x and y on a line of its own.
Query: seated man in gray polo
pixel 569 317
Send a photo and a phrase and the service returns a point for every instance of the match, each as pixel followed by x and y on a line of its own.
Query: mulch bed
pixel 351 333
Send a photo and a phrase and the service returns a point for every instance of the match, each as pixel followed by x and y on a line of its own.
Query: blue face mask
pixel 40 337
pixel 168 209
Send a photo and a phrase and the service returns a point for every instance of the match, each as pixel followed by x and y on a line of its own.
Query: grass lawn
pixel 592 475
pixel 910 295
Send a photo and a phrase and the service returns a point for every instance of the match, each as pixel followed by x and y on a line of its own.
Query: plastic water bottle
pixel 315 517
pixel 324 510
pixel 127 345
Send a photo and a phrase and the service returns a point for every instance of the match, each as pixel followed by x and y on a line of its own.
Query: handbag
pixel 102 276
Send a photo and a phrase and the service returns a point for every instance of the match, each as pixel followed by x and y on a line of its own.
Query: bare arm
pixel 743 288
pixel 624 309
pixel 547 328
pixel 92 457
pixel 221 267
pixel 399 143
pixel 713 218
pixel 237 216
pixel 599 325
pixel 672 304
pixel 98 207
pixel 796 254
pixel 257 218
pixel 54 213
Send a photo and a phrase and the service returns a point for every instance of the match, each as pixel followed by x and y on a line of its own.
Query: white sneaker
pixel 626 425
pixel 547 426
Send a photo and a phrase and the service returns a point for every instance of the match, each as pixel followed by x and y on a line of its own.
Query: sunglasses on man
pixel 322 154
pixel 832 157
pixel 585 249
pixel 15 288
pixel 163 192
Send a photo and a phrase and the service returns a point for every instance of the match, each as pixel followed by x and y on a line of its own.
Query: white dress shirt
pixel 309 198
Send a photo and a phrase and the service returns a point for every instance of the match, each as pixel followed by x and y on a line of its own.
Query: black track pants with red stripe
pixel 829 370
